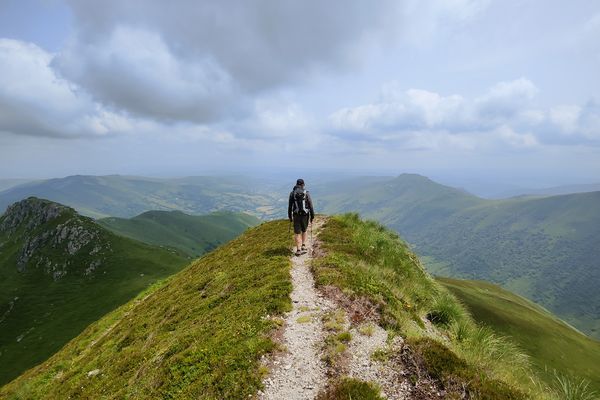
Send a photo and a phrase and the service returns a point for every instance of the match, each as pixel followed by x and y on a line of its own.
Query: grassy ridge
pixel 552 344
pixel 194 235
pixel 366 260
pixel 199 334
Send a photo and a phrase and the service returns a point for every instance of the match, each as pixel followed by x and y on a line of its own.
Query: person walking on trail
pixel 301 213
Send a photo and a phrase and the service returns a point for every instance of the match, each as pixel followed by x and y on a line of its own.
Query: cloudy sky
pixel 505 90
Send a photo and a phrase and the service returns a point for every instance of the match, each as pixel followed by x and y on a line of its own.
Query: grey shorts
pixel 300 223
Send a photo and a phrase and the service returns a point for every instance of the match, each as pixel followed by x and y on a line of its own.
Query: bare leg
pixel 298 238
pixel 304 236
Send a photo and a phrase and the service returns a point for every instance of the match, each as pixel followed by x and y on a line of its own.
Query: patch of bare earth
pixel 373 355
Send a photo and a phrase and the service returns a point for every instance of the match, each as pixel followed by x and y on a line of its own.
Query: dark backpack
pixel 300 205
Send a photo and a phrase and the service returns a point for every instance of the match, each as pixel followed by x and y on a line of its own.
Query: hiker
pixel 300 212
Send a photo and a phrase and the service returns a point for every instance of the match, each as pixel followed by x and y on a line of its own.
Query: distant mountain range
pixel 543 247
pixel 546 249
pixel 60 271
pixel 550 191
pixel 123 196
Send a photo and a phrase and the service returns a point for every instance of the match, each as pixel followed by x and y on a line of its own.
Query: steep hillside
pixel 543 248
pixel 203 332
pixel 410 199
pixel 198 334
pixel 59 272
pixel 193 235
pixel 551 343
pixel 123 196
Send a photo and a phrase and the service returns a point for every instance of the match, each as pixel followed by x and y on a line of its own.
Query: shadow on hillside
pixel 280 251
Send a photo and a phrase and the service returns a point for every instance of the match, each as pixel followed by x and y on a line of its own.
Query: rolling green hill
pixel 59 272
pixel 125 196
pixel 551 343
pixel 193 235
pixel 201 333
pixel 546 249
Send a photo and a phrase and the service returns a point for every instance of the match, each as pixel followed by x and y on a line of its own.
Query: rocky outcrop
pixel 53 237
pixel 33 212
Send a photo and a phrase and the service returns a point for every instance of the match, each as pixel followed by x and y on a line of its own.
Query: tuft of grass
pixel 334 321
pixel 334 346
pixel 367 329
pixel 200 334
pixel 304 319
pixel 568 388
pixel 350 389
pixel 381 355
pixel 445 310
pixel 456 375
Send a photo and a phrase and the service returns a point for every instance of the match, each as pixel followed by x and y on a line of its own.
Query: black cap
pixel 300 182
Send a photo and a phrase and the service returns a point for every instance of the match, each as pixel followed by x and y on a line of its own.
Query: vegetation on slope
pixel 59 272
pixel 366 260
pixel 193 235
pixel 543 248
pixel 551 344
pixel 199 334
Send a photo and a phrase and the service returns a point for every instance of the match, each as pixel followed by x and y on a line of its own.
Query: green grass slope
pixel 59 272
pixel 546 249
pixel 199 334
pixel 193 235
pixel 126 196
pixel 366 260
pixel 551 343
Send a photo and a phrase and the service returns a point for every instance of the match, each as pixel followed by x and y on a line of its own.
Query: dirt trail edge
pixel 299 373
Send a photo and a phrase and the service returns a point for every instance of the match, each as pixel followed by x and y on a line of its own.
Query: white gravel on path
pixel 393 385
pixel 299 374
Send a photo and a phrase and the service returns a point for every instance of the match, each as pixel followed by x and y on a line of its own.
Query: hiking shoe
pixel 298 253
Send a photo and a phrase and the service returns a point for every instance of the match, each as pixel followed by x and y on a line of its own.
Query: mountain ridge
pixel 191 234
pixel 542 248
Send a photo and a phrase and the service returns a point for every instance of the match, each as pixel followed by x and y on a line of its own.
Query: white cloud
pixel 207 61
pixel 565 117
pixel 134 70
pixel 35 101
pixel 428 18
pixel 506 114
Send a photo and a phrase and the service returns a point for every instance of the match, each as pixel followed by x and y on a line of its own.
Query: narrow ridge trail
pixel 299 373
